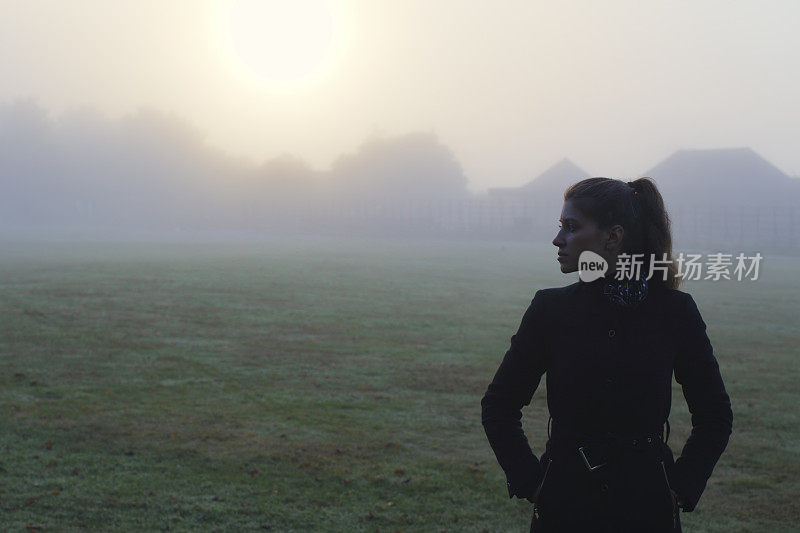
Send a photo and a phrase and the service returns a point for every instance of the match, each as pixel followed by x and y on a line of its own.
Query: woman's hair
pixel 638 207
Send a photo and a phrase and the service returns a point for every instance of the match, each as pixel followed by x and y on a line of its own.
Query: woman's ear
pixel 614 237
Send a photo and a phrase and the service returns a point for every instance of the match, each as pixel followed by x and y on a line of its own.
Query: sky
pixel 511 87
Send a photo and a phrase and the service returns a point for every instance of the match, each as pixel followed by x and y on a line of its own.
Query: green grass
pixel 324 385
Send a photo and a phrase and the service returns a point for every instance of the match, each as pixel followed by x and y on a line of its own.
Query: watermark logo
pixel 591 266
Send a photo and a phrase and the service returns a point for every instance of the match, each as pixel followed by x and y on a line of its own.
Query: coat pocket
pixel 536 520
pixel 666 478
pixel 676 520
pixel 538 491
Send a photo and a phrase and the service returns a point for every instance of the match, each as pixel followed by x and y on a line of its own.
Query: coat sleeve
pixel 512 387
pixel 697 371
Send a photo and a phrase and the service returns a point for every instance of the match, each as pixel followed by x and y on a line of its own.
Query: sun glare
pixel 281 44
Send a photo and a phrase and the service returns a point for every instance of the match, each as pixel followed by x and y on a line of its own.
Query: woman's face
pixel 578 233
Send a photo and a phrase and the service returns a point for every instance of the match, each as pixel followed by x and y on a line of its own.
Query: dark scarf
pixel 627 293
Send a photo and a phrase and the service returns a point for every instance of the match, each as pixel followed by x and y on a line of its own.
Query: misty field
pixel 321 385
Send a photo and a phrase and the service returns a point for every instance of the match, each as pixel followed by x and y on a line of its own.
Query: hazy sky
pixel 510 86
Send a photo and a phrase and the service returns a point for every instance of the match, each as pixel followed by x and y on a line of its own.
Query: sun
pixel 281 44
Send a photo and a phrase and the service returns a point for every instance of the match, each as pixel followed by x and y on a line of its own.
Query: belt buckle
pixel 586 461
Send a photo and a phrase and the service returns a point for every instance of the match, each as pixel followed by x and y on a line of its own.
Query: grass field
pixel 320 385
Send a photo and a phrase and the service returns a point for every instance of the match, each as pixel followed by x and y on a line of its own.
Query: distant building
pixel 547 186
pixel 732 177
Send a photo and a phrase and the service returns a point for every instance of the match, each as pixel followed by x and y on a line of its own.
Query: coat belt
pixel 598 449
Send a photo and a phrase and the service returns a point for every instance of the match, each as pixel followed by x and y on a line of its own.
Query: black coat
pixel 608 369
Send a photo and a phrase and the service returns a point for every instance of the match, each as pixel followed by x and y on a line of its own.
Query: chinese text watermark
pixel 689 266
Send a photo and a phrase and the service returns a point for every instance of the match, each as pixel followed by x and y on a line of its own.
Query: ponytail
pixel 655 234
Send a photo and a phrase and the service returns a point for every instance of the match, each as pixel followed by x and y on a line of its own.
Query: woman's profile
pixel 609 348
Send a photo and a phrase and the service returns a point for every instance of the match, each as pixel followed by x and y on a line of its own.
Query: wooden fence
pixel 698 226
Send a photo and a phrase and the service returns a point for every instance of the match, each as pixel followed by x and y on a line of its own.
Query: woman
pixel 609 348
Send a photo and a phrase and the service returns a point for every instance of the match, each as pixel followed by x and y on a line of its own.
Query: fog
pixel 455 119
pixel 151 173
pixel 511 89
